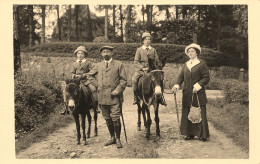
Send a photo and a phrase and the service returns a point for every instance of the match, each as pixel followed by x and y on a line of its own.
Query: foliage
pixel 23 25
pixel 126 51
pixel 240 13
pixel 101 39
pixel 36 95
pixel 235 91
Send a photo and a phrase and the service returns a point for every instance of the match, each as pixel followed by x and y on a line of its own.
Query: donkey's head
pixel 157 76
pixel 72 92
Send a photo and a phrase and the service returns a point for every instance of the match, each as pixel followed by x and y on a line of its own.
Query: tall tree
pixel 143 13
pixel 58 20
pixel 106 22
pixel 89 26
pixel 30 11
pixel 184 11
pixel 16 46
pixel 177 11
pixel 114 22
pixel 166 8
pixel 43 7
pixel 121 23
pixel 69 24
pixel 76 21
pixel 128 23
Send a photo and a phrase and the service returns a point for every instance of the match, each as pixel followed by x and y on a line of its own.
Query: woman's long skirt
pixel 201 130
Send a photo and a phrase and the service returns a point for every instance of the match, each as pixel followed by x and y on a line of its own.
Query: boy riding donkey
pixel 141 63
pixel 81 66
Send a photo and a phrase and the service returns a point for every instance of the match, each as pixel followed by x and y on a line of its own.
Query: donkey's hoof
pixel 96 134
pixel 158 137
pixel 88 136
pixel 78 142
pixel 85 143
pixel 147 135
pixel 138 128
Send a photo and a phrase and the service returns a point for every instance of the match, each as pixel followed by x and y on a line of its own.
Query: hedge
pixel 125 51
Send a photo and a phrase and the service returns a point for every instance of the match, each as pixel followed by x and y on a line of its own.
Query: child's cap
pixel 81 48
pixel 106 47
pixel 146 34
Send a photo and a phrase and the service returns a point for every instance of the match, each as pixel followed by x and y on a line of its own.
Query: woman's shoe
pixel 189 138
pixel 204 139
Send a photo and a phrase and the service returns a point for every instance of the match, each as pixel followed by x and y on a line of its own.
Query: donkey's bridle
pixel 156 70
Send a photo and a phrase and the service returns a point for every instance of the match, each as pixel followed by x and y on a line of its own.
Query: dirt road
pixel 62 143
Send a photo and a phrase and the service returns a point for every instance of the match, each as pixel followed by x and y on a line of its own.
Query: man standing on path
pixel 111 77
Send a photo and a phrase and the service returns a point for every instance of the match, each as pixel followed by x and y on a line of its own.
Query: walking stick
pixel 176 106
pixel 120 106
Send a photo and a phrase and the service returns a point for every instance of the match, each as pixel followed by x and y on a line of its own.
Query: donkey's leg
pixel 83 125
pixel 89 123
pixel 139 109
pixel 95 119
pixel 156 118
pixel 149 122
pixel 144 116
pixel 76 118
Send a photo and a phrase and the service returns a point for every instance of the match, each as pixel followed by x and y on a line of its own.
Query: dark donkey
pixel 79 104
pixel 150 89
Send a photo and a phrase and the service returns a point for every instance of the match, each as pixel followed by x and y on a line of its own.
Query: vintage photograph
pixel 120 81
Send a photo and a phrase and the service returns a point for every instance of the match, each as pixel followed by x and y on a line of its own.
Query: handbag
pixel 195 112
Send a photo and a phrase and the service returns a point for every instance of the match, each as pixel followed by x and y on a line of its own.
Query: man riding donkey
pixel 141 63
pixel 79 67
pixel 111 77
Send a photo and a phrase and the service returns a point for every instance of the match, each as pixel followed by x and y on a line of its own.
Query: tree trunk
pixel 43 23
pixel 30 10
pixel 114 22
pixel 167 12
pixel 177 11
pixel 58 20
pixel 151 14
pixel 218 26
pixel 148 13
pixel 128 23
pixel 89 24
pixel 69 24
pixel 106 22
pixel 184 12
pixel 121 20
pixel 143 12
pixel 199 13
pixel 16 46
pixel 76 21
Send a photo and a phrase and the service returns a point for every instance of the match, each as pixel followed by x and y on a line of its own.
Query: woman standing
pixel 195 76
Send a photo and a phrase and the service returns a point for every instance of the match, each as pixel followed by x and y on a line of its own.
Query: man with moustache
pixel 111 77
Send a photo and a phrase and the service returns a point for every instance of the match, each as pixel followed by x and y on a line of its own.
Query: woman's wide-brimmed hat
pixel 81 48
pixel 106 47
pixel 193 45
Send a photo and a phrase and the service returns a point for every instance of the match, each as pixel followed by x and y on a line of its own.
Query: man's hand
pixel 174 89
pixel 114 93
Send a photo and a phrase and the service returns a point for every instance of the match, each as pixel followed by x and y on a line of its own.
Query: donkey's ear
pixel 163 61
pixel 151 64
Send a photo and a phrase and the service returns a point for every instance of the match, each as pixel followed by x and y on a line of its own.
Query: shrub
pixel 235 91
pixel 125 51
pixel 101 39
pixel 35 99
pixel 214 84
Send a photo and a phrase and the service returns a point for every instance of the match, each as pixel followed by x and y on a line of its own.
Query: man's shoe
pixel 111 141
pixel 118 143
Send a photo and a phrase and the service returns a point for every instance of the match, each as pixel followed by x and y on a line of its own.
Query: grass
pixel 233 120
pixel 54 123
